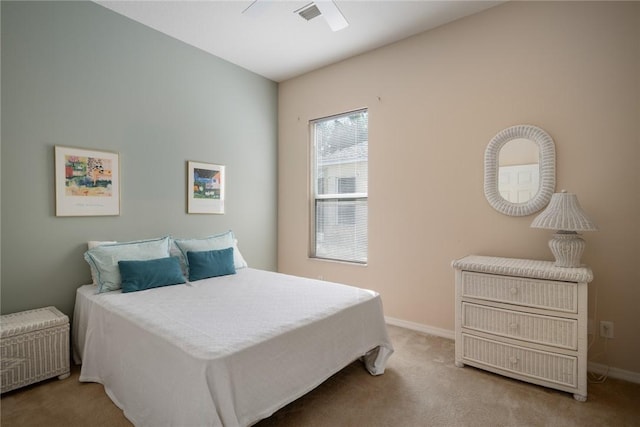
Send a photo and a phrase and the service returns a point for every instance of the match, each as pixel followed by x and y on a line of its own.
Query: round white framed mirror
pixel 520 170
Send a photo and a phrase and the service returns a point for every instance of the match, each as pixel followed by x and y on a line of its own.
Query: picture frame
pixel 205 188
pixel 87 182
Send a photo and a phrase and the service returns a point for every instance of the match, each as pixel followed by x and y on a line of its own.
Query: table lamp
pixel 565 215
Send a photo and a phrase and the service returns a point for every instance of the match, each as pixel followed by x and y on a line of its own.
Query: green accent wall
pixel 77 74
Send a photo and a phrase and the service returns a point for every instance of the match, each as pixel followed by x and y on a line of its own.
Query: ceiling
pixel 273 41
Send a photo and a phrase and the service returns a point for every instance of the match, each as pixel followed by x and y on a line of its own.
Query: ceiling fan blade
pixel 332 14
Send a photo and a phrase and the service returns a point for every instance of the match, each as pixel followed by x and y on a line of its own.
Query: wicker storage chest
pixel 34 346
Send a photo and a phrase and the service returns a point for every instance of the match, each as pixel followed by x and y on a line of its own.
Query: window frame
pixel 315 197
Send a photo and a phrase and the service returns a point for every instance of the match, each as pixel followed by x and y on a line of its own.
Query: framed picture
pixel 87 182
pixel 205 188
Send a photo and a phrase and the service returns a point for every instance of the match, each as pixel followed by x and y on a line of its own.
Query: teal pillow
pixel 153 273
pixel 204 264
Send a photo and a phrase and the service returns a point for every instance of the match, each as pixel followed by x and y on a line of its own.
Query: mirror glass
pixel 518 170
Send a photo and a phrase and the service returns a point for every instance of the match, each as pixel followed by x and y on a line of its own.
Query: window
pixel 347 185
pixel 340 146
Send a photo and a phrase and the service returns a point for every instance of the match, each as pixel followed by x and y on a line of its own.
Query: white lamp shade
pixel 564 213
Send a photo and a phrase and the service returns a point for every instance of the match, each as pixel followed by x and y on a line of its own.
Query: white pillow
pixel 238 259
pixel 104 259
pixel 92 244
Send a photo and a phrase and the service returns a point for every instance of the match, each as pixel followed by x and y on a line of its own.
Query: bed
pixel 228 350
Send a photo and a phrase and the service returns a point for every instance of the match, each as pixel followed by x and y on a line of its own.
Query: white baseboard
pixel 418 327
pixel 620 374
pixel 598 368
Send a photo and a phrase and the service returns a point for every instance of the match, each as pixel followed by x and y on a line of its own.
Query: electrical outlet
pixel 606 329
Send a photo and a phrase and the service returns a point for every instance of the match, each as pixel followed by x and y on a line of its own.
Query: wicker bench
pixel 34 346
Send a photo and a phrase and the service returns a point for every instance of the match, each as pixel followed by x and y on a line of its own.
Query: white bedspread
pixel 224 351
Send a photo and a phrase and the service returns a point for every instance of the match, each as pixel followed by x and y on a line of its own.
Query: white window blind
pixel 340 187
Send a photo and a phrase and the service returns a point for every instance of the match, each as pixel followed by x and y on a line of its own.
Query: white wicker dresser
pixel 34 346
pixel 524 319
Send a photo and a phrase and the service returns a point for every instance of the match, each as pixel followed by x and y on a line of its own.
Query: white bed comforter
pixel 224 351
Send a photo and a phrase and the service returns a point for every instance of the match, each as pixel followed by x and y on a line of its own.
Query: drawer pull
pixel 513 326
pixel 513 291
pixel 513 360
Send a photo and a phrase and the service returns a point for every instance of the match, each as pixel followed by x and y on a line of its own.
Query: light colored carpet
pixel 421 387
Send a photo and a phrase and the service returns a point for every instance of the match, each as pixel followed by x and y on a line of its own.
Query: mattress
pixel 225 351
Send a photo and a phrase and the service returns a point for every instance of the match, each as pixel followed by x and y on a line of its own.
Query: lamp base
pixel 567 247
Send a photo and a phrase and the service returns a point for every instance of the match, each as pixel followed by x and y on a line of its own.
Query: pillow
pixel 90 245
pixel 105 259
pixel 217 241
pixel 238 259
pixel 153 273
pixel 204 264
pixel 93 243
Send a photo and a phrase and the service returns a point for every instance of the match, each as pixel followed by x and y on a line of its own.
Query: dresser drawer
pixel 546 294
pixel 535 364
pixel 549 330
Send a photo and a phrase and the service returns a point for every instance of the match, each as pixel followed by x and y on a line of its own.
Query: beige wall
pixel 435 101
